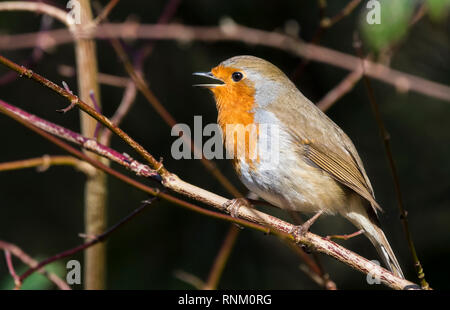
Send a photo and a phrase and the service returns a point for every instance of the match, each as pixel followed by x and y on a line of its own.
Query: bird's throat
pixel 235 105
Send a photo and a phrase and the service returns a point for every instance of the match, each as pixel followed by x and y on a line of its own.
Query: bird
pixel 312 167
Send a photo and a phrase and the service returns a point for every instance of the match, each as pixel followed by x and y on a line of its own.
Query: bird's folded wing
pixel 342 168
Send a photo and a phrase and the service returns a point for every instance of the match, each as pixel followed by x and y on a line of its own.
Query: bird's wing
pixel 323 143
pixel 342 167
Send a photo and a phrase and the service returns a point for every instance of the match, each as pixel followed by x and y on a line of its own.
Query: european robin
pixel 317 168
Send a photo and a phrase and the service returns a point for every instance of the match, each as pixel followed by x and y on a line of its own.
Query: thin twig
pixel 328 22
pixel 103 78
pixel 221 258
pixel 324 24
pixel 385 136
pixel 44 162
pixel 124 106
pixel 35 56
pixel 37 7
pixel 98 238
pixel 104 14
pixel 345 86
pixel 11 269
pixel 29 261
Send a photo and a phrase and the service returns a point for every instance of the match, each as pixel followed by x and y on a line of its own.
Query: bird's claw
pixel 232 206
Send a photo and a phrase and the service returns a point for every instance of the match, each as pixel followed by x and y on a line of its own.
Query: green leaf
pixel 394 22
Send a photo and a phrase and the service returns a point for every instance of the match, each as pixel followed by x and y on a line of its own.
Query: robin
pixel 317 170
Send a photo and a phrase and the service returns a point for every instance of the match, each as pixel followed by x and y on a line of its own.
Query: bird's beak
pixel 208 75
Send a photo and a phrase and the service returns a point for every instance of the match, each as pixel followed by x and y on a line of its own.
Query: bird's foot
pixel 345 237
pixel 232 206
pixel 301 230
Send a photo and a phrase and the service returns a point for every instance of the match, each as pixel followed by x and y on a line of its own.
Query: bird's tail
pixel 374 233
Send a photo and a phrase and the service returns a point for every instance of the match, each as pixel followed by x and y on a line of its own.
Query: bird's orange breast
pixel 235 103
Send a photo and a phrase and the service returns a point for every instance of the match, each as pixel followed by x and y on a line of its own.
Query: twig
pixel 103 78
pixel 36 7
pixel 189 278
pixel 328 22
pixel 221 259
pixel 243 34
pixel 42 163
pixel 26 259
pixel 104 14
pixel 324 24
pixel 340 90
pixel 11 269
pixel 98 238
pixel 385 136
pixel 36 55
pixel 124 106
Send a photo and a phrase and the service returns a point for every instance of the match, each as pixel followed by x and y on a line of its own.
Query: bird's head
pixel 245 82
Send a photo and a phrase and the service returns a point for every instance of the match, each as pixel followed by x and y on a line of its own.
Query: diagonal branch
pixel 96 239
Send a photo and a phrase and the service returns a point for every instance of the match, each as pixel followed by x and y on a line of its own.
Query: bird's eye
pixel 237 76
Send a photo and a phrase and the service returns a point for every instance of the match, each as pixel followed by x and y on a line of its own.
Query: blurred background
pixel 42 212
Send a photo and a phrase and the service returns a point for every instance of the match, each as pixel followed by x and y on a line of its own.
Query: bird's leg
pixel 232 206
pixel 304 228
pixel 345 237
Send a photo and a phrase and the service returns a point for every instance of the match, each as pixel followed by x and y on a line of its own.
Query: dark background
pixel 43 212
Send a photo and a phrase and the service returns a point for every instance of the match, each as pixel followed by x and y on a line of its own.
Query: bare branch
pixel 340 90
pixel 44 162
pixel 36 7
pixel 96 239
pixel 235 32
pixel 104 14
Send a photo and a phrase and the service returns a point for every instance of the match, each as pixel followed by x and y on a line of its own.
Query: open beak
pixel 208 75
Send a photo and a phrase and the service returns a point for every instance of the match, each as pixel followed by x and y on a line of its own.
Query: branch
pixel 340 90
pixel 44 162
pixel 124 106
pixel 37 7
pixel 96 239
pixel 103 78
pixel 234 32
